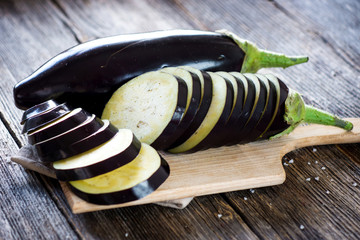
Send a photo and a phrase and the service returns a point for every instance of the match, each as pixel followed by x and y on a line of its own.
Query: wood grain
pixel 328 31
pixel 225 169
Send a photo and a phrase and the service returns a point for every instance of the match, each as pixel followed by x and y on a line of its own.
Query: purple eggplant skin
pixel 87 75
pixel 102 167
pixel 33 123
pixel 57 148
pixel 58 128
pixel 168 135
pixel 101 136
pixel 244 116
pixel 38 109
pixel 279 124
pixel 212 138
pixel 137 192
pixel 201 112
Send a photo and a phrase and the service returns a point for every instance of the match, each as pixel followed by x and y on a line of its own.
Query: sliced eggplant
pixel 279 124
pixel 206 97
pixel 135 180
pixel 213 115
pixel 194 85
pixel 273 105
pixel 38 109
pixel 212 139
pixel 118 151
pixel 240 86
pixel 151 105
pixel 58 126
pixel 257 111
pixel 57 148
pixel 33 123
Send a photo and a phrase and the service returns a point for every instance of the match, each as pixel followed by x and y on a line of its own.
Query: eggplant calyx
pixel 256 58
pixel 296 112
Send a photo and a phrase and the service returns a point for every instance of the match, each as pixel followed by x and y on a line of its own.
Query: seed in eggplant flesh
pixel 35 122
pixel 118 151
pixel 151 105
pixel 88 74
pixel 131 182
pixel 58 126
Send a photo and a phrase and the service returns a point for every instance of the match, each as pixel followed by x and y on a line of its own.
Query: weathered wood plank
pixel 26 211
pixel 321 194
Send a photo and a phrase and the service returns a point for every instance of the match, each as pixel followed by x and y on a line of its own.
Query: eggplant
pixel 205 102
pixel 38 109
pixel 246 108
pixel 211 138
pixel 151 105
pixel 118 151
pixel 58 126
pixel 57 148
pixel 131 182
pixel 240 87
pixel 35 122
pixel 87 75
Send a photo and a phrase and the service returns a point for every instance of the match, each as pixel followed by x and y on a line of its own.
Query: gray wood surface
pixel 321 196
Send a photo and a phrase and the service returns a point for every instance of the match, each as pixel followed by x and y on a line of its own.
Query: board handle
pixel 314 134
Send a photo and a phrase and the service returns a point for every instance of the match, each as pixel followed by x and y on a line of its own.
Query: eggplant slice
pixel 212 138
pixel 33 123
pixel 133 181
pixel 216 108
pixel 206 97
pixel 240 87
pixel 194 85
pixel 57 148
pixel 58 126
pixel 38 109
pixel 118 151
pixel 151 105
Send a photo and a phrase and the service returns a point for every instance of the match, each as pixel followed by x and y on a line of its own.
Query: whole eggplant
pixel 86 75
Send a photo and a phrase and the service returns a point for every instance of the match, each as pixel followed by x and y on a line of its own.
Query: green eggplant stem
pixel 296 112
pixel 256 58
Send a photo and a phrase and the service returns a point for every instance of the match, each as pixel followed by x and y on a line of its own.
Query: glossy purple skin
pixel 268 112
pixel 244 136
pixel 87 75
pixel 59 128
pixel 224 136
pixel 201 112
pixel 102 167
pixel 191 112
pixel 33 123
pixel 38 109
pixel 58 148
pixel 137 192
pixel 213 137
pixel 279 123
pixel 168 135
pixel 239 125
pixel 101 136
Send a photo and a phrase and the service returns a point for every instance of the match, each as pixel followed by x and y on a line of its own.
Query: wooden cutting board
pixel 257 164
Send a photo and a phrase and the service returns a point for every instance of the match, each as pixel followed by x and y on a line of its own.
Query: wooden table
pixel 320 198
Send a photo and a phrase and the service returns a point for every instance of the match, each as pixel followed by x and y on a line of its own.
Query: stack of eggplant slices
pixel 101 164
